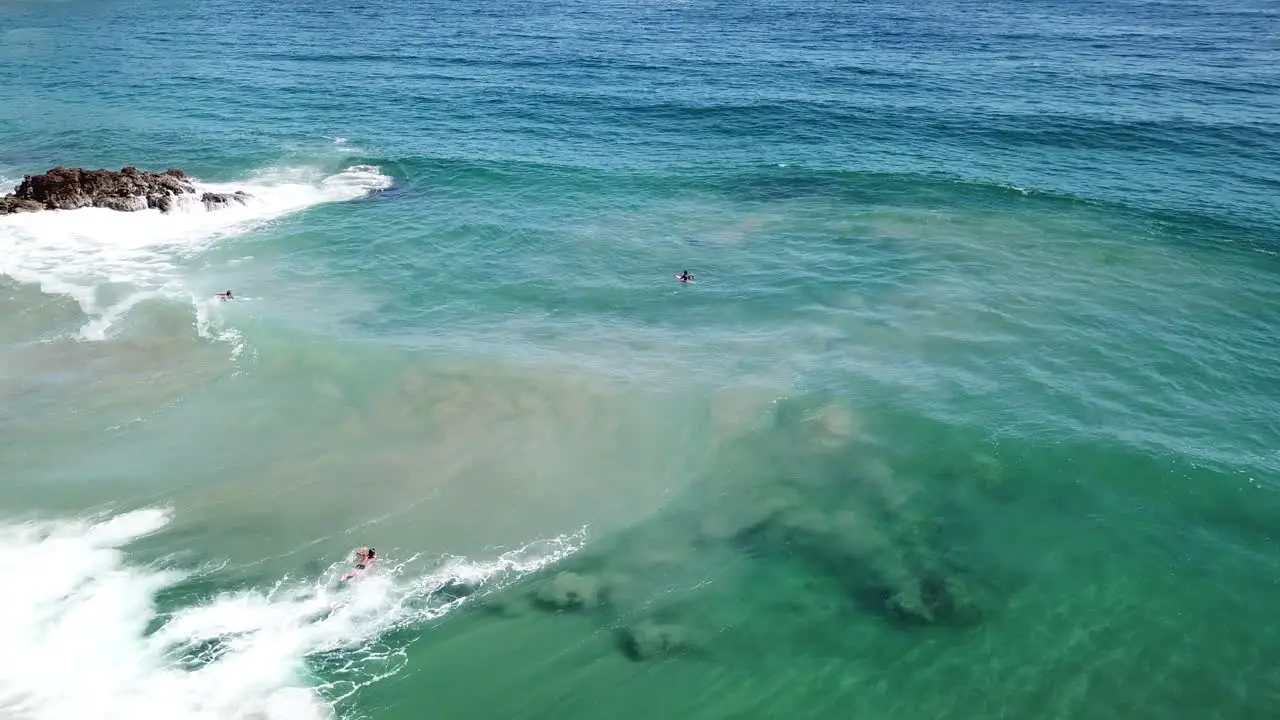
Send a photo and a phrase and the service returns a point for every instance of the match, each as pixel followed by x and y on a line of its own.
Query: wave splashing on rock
pixel 128 190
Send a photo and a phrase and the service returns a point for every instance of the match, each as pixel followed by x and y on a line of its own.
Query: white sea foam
pixel 76 642
pixel 109 261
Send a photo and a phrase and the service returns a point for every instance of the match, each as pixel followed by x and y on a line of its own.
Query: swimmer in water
pixel 364 558
pixel 684 276
pixel 226 295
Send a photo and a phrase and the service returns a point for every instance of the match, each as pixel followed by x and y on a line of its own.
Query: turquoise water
pixel 971 411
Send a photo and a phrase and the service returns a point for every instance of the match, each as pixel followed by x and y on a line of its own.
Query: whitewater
pixel 86 638
pixel 110 261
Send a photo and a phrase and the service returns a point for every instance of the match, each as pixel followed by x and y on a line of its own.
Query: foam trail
pixel 93 255
pixel 76 643
pixel 209 324
pixel 96 328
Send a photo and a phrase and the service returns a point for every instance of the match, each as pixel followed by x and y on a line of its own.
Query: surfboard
pixel 684 281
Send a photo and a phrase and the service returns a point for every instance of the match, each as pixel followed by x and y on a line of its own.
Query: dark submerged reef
pixel 808 517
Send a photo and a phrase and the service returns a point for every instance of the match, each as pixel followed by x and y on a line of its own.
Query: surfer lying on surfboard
pixel 685 277
pixel 364 558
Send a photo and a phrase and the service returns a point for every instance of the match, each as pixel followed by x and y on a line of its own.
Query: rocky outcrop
pixel 128 190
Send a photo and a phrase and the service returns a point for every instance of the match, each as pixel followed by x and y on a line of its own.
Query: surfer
pixel 226 295
pixel 684 276
pixel 364 558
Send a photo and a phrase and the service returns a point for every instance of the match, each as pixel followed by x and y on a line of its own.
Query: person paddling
pixel 364 558
pixel 685 277
pixel 226 295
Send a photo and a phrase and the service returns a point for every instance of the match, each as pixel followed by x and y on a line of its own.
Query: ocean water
pixel 971 412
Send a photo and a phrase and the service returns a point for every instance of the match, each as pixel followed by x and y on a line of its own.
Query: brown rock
pixel 17 205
